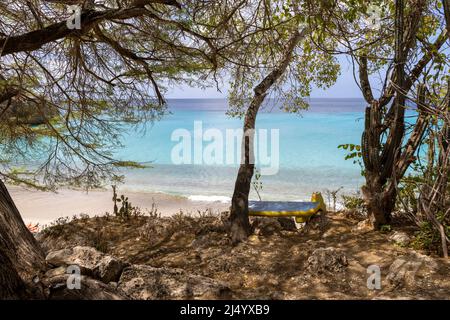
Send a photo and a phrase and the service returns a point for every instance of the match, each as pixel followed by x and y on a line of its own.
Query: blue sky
pixel 345 87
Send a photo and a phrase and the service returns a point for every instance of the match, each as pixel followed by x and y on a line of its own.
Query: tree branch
pixel 364 80
pixel 34 40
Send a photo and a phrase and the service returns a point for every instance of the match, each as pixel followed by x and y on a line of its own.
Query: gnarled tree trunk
pixel 380 203
pixel 239 223
pixel 21 258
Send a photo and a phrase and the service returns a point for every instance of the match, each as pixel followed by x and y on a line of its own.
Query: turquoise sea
pixel 309 159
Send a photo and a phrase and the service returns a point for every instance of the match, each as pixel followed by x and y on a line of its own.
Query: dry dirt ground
pixel 326 260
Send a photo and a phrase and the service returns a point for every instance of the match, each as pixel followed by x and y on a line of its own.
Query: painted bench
pixel 301 211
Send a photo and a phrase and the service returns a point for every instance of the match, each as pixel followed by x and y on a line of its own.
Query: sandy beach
pixel 45 207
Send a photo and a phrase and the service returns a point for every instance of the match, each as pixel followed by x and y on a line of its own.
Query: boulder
pixel 265 226
pixel 287 223
pixel 253 239
pixel 401 238
pixel 148 283
pixel 109 269
pixel 90 289
pixel 59 257
pixel 362 227
pixel 92 262
pixel 326 260
pixel 406 270
pixel 56 272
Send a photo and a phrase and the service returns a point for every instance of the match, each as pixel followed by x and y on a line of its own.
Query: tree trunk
pixel 11 285
pixel 380 203
pixel 446 5
pixel 21 258
pixel 239 223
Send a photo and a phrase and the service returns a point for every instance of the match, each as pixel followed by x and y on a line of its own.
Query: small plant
pixel 126 209
pixel 83 217
pixel 427 237
pixel 99 240
pixel 56 227
pixel 355 204
pixel 153 212
pixel 332 196
pixel 257 183
pixel 408 193
pixel 385 228
pixel 205 213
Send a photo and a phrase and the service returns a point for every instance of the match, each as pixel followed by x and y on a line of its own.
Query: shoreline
pixel 45 207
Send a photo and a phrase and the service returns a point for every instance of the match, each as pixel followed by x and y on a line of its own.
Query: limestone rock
pixel 59 257
pixel 90 289
pixel 90 261
pixel 265 226
pixel 149 283
pixel 406 270
pixel 56 272
pixel 326 260
pixel 400 238
pixel 362 226
pixel 253 239
pixel 287 223
pixel 109 269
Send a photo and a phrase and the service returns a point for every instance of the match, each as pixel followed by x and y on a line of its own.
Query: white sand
pixel 44 207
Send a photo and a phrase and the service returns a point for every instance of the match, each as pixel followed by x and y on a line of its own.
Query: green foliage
pixel 55 228
pixel 408 193
pixel 130 164
pixel 354 153
pixel 355 204
pixel 126 209
pixel 427 238
pixel 385 228
pixel 25 177
pixel 310 67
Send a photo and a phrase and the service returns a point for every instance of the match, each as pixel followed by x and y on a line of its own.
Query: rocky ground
pixel 151 257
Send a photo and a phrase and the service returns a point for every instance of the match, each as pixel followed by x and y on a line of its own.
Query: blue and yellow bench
pixel 301 211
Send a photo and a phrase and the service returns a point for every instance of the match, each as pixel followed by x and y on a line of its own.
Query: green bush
pixel 355 204
pixel 428 238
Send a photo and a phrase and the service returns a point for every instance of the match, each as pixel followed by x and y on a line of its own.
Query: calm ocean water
pixel 309 159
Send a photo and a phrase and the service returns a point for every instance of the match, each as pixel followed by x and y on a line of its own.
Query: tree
pixel 280 63
pixel 433 202
pixel 405 43
pixel 240 227
pixel 67 93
